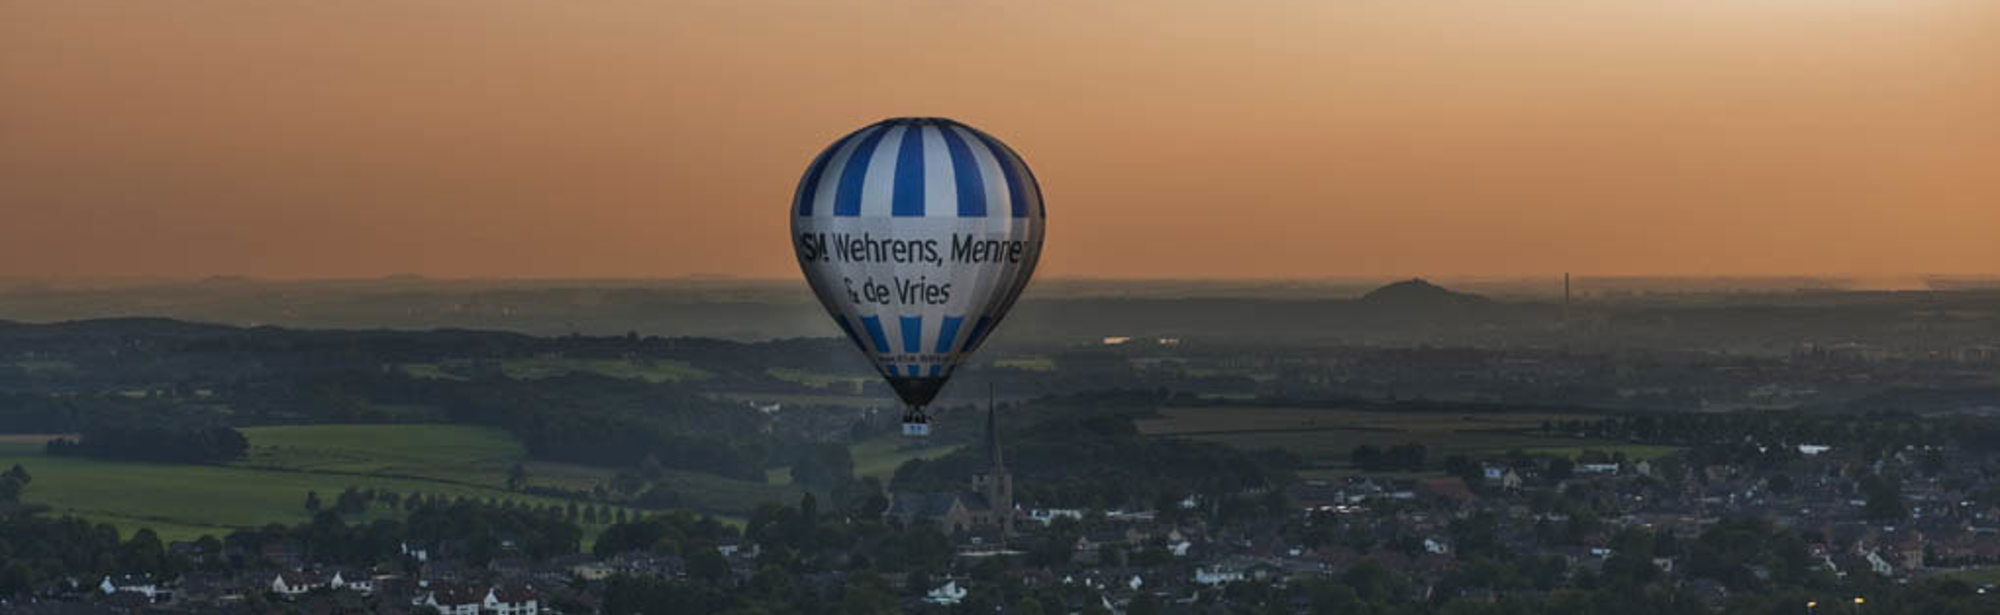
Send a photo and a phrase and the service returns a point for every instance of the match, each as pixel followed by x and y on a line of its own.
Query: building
pixel 297 582
pixel 454 599
pixel 511 600
pixel 987 507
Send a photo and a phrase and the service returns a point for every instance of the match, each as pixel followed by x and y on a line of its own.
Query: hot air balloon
pixel 917 234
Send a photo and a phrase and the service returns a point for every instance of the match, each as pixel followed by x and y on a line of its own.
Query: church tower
pixel 996 483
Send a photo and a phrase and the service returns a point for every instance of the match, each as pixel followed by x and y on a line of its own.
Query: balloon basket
pixel 916 424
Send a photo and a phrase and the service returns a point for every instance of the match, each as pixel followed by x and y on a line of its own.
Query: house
pixel 297 582
pixel 1605 469
pixel 1047 516
pixel 511 600
pixel 1879 565
pixel 417 552
pixel 949 594
pixel 140 584
pixel 360 582
pixel 1220 574
pixel 988 505
pixel 1433 545
pixel 454 599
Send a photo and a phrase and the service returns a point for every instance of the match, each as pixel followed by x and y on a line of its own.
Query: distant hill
pixel 1418 294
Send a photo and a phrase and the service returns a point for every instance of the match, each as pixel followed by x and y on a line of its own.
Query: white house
pixel 1047 516
pixel 361 583
pixel 297 582
pixel 1879 565
pixel 948 595
pixel 1218 575
pixel 455 599
pixel 1598 468
pixel 511 601
pixel 1432 545
pixel 135 583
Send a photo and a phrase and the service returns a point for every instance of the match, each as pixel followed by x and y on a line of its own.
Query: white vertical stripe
pixel 940 187
pixel 878 188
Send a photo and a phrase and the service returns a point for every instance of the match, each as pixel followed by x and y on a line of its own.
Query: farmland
pixel 1325 437
pixel 285 463
pixel 537 368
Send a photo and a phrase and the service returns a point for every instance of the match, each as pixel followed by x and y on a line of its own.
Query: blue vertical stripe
pixel 1017 197
pixel 912 370
pixel 913 334
pixel 847 202
pixel 965 169
pixel 937 370
pixel 978 329
pixel 948 332
pixel 908 199
pixel 874 326
pixel 809 188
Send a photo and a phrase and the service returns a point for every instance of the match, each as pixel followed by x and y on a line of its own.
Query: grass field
pixel 878 458
pixel 1031 364
pixel 284 463
pixel 651 370
pixel 1984 575
pixel 47 367
pixel 1326 437
pixel 819 380
pixel 848 401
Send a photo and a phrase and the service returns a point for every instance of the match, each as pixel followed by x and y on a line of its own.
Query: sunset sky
pixel 1173 138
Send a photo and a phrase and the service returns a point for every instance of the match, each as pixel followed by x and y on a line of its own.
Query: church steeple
pixel 993 457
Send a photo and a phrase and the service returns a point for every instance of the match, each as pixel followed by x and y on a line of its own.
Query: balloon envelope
pixel 917 234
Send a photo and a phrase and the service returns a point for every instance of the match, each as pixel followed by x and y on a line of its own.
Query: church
pixel 987 507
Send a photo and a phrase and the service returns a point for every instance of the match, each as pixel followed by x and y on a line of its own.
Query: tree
pixel 1143 604
pixel 1780 484
pixel 517 476
pixel 1366 457
pixel 312 501
pixel 706 564
pixel 1885 498
pixel 650 467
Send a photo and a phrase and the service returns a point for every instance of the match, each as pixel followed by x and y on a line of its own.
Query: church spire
pixel 992 436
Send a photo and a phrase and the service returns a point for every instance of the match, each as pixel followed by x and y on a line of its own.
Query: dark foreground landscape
pixel 408 446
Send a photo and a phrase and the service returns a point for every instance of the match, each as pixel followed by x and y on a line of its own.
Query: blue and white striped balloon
pixel 917 234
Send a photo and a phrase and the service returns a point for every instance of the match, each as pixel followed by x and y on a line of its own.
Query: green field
pixel 878 458
pixel 1984 575
pixel 819 380
pixel 1325 437
pixel 537 368
pixel 1031 364
pixel 65 368
pixel 284 463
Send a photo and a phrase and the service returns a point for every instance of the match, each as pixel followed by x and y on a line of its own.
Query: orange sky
pixel 1173 138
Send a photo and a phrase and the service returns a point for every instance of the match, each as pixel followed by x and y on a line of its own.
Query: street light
pixel 1857 604
pixel 1810 605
